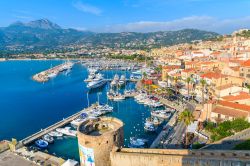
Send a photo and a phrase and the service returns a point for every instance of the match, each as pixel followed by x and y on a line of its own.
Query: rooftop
pixel 100 126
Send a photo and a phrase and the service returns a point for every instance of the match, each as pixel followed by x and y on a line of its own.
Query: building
pixel 245 71
pixel 97 138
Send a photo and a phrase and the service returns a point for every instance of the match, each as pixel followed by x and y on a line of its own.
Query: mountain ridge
pixel 44 34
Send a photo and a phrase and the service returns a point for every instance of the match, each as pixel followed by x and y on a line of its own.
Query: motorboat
pixel 149 126
pixel 137 142
pixel 67 131
pixel 118 97
pixel 48 138
pixel 82 118
pixel 52 74
pixel 164 114
pixel 156 121
pixel 41 143
pixel 105 108
pixel 122 80
pixel 96 83
pixel 55 134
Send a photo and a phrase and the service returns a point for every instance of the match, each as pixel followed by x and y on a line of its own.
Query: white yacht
pixel 118 97
pixel 96 83
pixel 122 81
pixel 55 134
pixel 161 114
pixel 67 131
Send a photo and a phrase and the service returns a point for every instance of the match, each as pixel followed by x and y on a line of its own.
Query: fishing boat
pixel 48 138
pixel 67 131
pixel 149 126
pixel 41 143
pixel 137 142
pixel 55 134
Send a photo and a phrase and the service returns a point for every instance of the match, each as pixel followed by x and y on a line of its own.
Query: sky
pixel 222 16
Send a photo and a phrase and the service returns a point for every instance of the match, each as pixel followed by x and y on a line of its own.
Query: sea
pixel 27 106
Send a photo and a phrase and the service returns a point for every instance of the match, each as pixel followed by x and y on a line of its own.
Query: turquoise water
pixel 27 106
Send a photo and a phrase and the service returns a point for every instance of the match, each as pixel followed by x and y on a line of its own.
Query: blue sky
pixel 221 16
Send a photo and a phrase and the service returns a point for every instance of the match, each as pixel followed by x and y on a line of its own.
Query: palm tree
pixel 203 83
pixel 176 80
pixel 188 81
pixel 187 118
pixel 167 76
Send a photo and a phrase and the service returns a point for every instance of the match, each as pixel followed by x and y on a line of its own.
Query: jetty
pixel 59 124
pixel 44 76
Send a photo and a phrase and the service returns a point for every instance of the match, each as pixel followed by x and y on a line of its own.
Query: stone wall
pixel 155 157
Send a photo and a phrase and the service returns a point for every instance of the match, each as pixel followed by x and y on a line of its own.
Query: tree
pixel 203 83
pixel 188 81
pixel 187 118
pixel 176 80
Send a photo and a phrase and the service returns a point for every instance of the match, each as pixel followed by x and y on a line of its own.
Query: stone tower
pixel 97 138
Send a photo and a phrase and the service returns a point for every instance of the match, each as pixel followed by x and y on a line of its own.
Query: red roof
pixel 230 112
pixel 246 63
pixel 240 96
pixel 234 105
pixel 211 75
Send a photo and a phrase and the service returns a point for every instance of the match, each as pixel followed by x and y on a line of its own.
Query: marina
pixel 64 96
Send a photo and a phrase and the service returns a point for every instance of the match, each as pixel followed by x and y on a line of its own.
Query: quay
pixel 44 76
pixel 61 123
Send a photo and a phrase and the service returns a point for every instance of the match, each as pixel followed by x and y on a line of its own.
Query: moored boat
pixel 48 138
pixel 41 143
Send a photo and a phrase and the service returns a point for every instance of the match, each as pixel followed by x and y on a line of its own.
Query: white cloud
pixel 196 22
pixel 87 8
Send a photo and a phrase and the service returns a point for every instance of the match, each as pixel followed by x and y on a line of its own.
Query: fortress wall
pixel 150 157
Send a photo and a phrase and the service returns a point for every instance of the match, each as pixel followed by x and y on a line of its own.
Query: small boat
pixel 41 143
pixel 67 131
pixel 148 126
pixel 137 142
pixel 82 118
pixel 55 134
pixel 164 114
pixel 156 121
pixel 52 74
pixel 48 138
pixel 122 80
pixel 118 97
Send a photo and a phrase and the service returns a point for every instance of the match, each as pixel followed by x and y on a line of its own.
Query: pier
pixel 44 76
pixel 61 123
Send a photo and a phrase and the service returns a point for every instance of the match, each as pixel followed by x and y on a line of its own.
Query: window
pixel 114 138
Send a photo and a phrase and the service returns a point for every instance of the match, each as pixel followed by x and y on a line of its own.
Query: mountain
pixel 40 35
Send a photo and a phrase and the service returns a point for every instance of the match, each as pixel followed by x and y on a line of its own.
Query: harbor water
pixel 27 106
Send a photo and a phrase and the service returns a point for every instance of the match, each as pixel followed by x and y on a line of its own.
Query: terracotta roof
pixel 230 112
pixel 246 63
pixel 228 104
pixel 211 75
pixel 240 96
pixel 171 67
pixel 225 86
pixel 190 63
pixel 237 68
pixel 188 70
